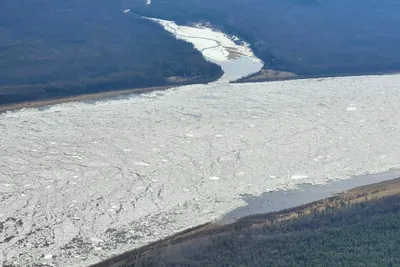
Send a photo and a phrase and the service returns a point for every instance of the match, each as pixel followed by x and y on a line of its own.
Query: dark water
pixel 278 200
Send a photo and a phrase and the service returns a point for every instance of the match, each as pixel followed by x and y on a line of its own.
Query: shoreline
pixel 139 91
pixel 83 97
pixel 252 78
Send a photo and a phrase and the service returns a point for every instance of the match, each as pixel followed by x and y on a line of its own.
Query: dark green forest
pixel 54 48
pixel 365 234
pixel 306 37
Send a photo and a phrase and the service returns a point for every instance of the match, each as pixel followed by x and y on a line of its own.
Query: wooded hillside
pixel 54 48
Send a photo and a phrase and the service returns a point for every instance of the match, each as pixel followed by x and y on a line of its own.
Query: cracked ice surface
pixel 80 182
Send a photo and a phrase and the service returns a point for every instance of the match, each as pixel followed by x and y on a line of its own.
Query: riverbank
pixel 85 97
pixel 233 67
pixel 203 235
pixel 268 75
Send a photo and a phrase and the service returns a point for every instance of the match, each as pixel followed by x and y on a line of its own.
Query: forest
pixel 364 234
pixel 357 227
pixel 305 37
pixel 54 48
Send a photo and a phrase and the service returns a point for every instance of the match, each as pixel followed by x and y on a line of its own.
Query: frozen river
pixel 80 182
pixel 233 55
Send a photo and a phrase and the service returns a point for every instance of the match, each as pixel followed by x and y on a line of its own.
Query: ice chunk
pixel 299 176
pixel 141 163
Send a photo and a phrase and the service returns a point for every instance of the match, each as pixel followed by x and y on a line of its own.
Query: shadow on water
pixel 306 193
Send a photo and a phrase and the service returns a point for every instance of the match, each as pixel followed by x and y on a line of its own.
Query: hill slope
pixel 59 48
